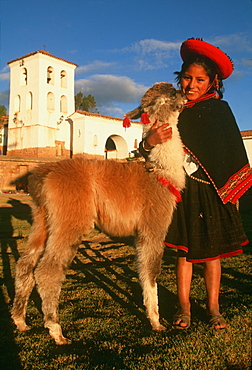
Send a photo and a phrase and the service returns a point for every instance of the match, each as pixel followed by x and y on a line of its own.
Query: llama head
pixel 161 102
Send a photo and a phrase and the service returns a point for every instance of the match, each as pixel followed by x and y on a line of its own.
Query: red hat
pixel 219 58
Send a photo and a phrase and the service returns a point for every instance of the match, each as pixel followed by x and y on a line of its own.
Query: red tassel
pixel 126 122
pixel 145 118
pixel 172 188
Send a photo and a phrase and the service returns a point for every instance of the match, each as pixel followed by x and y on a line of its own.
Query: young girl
pixel 206 225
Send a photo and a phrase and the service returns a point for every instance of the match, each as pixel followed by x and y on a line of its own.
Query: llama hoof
pixel 24 328
pixel 159 327
pixel 21 325
pixel 56 333
pixel 62 341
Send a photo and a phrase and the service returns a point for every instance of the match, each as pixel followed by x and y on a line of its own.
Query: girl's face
pixel 195 82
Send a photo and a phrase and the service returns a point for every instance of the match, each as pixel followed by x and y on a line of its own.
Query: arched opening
pixel 23 77
pixel 63 104
pixel 95 140
pixel 50 75
pixel 63 79
pixel 116 147
pixel 50 101
pixel 29 101
pixel 17 103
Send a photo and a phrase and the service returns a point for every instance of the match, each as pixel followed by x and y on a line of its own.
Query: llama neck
pixel 167 160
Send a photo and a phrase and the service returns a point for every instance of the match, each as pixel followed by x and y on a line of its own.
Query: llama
pixel 165 158
pixel 73 195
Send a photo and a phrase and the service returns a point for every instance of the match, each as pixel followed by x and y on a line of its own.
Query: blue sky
pixel 123 47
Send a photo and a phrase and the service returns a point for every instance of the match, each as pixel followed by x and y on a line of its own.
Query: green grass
pixel 101 309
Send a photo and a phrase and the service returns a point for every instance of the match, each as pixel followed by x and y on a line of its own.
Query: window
pixel 95 140
pixel 63 79
pixel 50 75
pixel 50 101
pixel 29 101
pixel 59 148
pixel 63 104
pixel 17 103
pixel 23 77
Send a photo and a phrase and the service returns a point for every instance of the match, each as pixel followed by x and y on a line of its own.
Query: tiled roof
pixel 85 113
pixel 246 133
pixel 41 52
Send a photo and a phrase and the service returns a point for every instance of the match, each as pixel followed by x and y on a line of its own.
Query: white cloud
pixel 235 43
pixel 152 45
pixel 73 52
pixel 4 76
pixel 111 88
pixel 96 65
pixel 5 69
pixel 247 63
pixel 111 110
pixel 152 54
pixel 4 98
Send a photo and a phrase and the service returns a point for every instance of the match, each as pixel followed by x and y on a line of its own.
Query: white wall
pixel 90 133
pixel 38 126
pixel 248 146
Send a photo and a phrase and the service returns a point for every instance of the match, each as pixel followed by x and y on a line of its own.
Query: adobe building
pixel 42 118
pixel 41 97
pixel 3 134
pixel 43 125
pixel 247 141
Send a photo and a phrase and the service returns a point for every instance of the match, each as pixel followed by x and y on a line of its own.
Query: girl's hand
pixel 158 135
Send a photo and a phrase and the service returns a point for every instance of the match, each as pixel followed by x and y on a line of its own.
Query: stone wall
pixel 59 151
pixel 12 168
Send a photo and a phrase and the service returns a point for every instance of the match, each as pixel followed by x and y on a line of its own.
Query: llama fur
pixel 71 196
pixel 166 158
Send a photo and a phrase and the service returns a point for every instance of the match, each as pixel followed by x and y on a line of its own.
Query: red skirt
pixel 203 228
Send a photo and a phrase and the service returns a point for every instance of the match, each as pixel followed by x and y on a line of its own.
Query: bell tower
pixel 41 98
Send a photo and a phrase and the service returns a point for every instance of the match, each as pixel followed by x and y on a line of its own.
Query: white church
pixel 42 118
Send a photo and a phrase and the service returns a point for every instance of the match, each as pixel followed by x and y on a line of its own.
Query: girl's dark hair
pixel 210 70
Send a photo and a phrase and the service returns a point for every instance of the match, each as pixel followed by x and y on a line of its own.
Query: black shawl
pixel 209 132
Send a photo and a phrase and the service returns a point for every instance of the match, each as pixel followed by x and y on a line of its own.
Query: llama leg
pixel 24 279
pixel 49 276
pixel 149 265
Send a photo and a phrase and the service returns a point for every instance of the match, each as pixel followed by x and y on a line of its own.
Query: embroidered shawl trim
pixel 235 186
pixel 210 127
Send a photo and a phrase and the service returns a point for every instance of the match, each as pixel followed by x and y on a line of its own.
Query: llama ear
pixel 136 113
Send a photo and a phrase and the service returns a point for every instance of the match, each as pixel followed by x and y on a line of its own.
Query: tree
pixel 78 101
pixel 86 103
pixel 3 110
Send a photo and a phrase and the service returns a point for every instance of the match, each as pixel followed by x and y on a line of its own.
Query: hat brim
pixel 223 63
